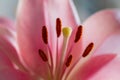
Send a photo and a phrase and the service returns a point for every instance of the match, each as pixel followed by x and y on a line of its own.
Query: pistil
pixel 66 34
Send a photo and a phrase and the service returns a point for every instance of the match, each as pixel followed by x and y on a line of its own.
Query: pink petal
pixel 104 67
pixel 32 15
pixel 7 71
pixel 100 26
pixel 12 74
pixel 111 44
pixel 109 72
pixel 97 29
pixel 5 61
pixel 30 20
pixel 5 22
pixel 6 39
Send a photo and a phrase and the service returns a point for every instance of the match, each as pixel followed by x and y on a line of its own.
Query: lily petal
pixel 111 44
pixel 32 15
pixel 6 22
pixel 5 61
pixel 12 74
pixel 97 29
pixel 8 71
pixel 6 39
pixel 103 67
pixel 100 26
pixel 30 19
pixel 107 23
pixel 112 68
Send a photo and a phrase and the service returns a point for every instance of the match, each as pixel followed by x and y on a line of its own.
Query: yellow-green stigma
pixel 66 31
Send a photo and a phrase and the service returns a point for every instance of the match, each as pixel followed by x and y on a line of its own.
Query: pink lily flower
pixel 51 45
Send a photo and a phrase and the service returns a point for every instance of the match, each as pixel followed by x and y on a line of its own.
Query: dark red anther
pixel 69 60
pixel 58 27
pixel 42 55
pixel 78 34
pixel 45 34
pixel 88 49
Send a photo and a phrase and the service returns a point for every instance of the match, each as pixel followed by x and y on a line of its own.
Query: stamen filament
pixel 45 59
pixel 42 54
pixel 58 32
pixel 67 64
pixel 86 53
pixel 51 58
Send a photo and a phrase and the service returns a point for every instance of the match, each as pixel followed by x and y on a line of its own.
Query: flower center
pixel 63 60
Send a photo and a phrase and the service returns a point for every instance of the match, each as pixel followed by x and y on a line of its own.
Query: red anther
pixel 42 55
pixel 58 27
pixel 45 35
pixel 88 49
pixel 78 34
pixel 69 60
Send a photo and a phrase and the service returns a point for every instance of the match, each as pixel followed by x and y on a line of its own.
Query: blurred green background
pixel 84 7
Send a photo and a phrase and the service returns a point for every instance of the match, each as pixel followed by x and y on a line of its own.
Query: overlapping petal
pixel 111 44
pixel 12 74
pixel 100 67
pixel 101 26
pixel 5 61
pixel 5 22
pixel 8 71
pixel 103 32
pixel 32 15
pixel 6 41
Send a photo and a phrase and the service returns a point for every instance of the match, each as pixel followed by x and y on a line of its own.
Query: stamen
pixel 45 35
pixel 78 34
pixel 88 49
pixel 42 55
pixel 69 60
pixel 58 27
pixel 66 31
